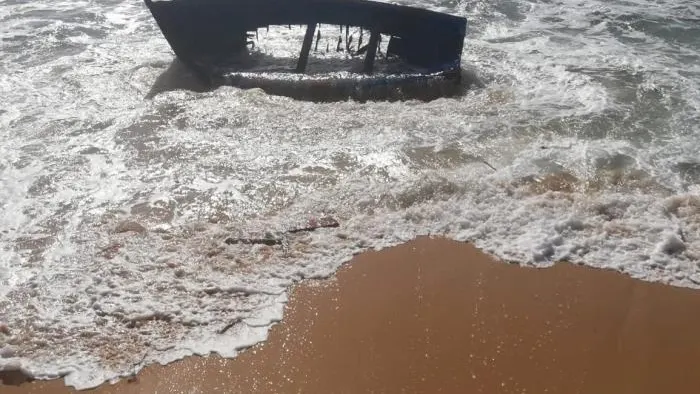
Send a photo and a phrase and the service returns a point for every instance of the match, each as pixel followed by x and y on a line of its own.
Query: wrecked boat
pixel 399 52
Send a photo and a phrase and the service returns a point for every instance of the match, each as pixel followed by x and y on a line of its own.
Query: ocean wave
pixel 116 209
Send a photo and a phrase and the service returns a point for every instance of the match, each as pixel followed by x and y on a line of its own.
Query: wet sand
pixel 438 316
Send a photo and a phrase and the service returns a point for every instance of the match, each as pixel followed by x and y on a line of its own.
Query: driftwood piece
pixel 269 240
pixel 313 224
pixel 253 241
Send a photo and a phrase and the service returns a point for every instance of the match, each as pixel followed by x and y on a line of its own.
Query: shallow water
pixel 582 146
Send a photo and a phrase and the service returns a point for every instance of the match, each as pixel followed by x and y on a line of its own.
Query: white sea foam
pixel 115 209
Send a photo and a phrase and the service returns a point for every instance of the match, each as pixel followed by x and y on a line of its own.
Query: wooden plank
pixel 306 48
pixel 371 52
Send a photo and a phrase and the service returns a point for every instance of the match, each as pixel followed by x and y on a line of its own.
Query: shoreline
pixel 435 315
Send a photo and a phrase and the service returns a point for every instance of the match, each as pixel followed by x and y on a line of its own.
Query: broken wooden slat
pixel 359 44
pixel 306 48
pixel 318 38
pixel 371 52
pixel 347 38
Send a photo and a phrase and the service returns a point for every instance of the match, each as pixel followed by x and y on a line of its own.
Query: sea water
pixel 115 201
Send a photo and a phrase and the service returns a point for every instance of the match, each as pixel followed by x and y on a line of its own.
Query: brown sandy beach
pixel 435 315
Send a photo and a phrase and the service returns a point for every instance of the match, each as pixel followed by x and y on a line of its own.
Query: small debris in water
pixel 230 325
pixel 313 224
pixel 270 240
pixel 110 250
pixel 253 241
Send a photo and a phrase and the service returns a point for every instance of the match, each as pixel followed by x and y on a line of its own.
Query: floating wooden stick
pixel 313 224
pixel 269 240
pixel 253 241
